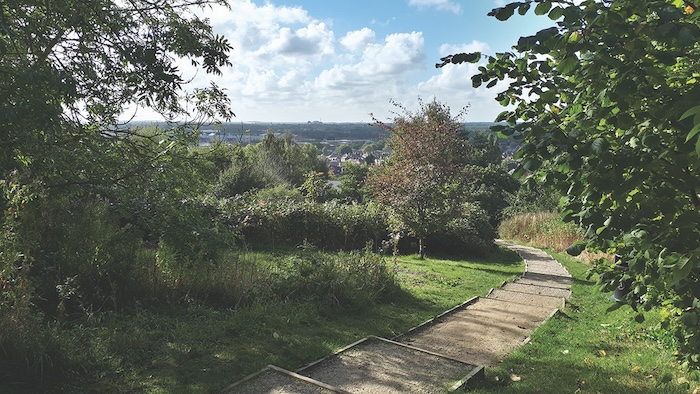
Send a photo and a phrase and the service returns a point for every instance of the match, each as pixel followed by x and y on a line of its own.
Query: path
pixel 440 355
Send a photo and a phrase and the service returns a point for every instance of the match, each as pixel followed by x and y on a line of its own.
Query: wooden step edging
pixel 437 318
pixel 290 374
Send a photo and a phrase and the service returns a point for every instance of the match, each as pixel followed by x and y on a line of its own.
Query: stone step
pixel 523 287
pixel 377 365
pixel 549 268
pixel 527 298
pixel 482 333
pixel 545 280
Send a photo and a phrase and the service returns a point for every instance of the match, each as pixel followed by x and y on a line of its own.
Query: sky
pixel 342 60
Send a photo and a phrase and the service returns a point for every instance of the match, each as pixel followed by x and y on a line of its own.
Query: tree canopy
pixel 606 102
pixel 67 77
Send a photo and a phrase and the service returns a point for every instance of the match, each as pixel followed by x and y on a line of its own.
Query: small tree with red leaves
pixel 422 180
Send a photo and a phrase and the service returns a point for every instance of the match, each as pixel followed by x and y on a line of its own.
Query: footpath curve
pixel 443 353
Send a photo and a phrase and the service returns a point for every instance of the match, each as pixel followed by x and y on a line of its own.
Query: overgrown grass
pixel 592 348
pixel 191 346
pixel 542 229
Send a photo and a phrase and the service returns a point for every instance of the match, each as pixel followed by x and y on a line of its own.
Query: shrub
pixel 471 234
pixel 343 280
pixel 330 226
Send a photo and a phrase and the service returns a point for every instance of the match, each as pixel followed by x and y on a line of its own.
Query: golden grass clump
pixel 541 229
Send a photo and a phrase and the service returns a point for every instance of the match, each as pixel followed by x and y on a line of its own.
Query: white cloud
pixel 452 85
pixel 358 40
pixel 446 5
pixel 289 66
pixel 313 39
pixel 380 63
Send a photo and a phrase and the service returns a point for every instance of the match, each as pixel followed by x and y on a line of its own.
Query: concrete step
pixel 526 298
pixel 525 287
pixel 545 280
pixel 482 333
pixel 549 268
pixel 441 354
pixel 377 365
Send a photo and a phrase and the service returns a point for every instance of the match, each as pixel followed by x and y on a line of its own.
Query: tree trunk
pixel 421 248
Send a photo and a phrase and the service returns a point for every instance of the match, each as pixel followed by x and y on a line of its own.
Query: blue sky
pixel 340 60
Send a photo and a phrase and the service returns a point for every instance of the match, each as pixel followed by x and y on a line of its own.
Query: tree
pixel 343 149
pixel 491 185
pixel 352 186
pixel 422 183
pixel 68 76
pixel 73 179
pixel 607 102
pixel 282 161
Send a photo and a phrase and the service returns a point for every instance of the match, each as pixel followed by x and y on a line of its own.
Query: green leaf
pixel 693 132
pixel 574 37
pixel 506 12
pixel 476 80
pixel 522 10
pixel 556 13
pixel 599 145
pixel 681 269
pixel 690 319
pixel 691 112
pixel 543 8
pixel 532 164
pixel 576 248
pixel 460 58
pixel 568 64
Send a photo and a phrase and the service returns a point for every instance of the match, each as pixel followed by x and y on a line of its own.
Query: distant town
pixel 340 143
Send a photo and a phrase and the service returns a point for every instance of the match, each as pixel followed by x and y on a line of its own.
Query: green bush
pixel 343 280
pixel 329 226
pixel 469 235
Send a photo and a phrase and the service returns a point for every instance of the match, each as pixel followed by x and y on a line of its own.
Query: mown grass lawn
pixel 591 349
pixel 197 348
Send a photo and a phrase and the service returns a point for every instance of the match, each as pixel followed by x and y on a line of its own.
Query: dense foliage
pixel 439 177
pixel 82 194
pixel 607 102
pixel 275 161
pixel 422 184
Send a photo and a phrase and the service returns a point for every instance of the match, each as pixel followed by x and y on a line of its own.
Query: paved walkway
pixel 440 355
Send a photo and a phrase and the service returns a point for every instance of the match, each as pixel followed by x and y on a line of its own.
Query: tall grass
pixel 540 229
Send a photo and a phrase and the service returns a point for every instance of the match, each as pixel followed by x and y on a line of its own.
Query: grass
pixel 591 348
pixel 197 348
pixel 543 229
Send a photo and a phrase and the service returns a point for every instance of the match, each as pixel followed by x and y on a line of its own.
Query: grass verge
pixel 196 348
pixel 591 348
